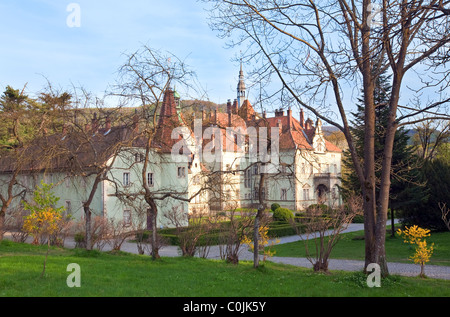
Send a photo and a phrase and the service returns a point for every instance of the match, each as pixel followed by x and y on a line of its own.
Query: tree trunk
pixel 154 224
pixel 321 266
pixel 368 181
pixel 2 222
pixel 87 210
pixel 257 223
pixel 88 222
pixel 256 240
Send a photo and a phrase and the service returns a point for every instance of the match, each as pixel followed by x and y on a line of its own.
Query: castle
pixel 213 164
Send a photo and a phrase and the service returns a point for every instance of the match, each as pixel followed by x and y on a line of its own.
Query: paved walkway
pixel 406 269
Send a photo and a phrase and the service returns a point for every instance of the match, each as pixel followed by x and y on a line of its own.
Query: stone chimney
pixel 279 113
pixel 280 126
pixel 289 115
pixel 302 118
pixel 235 107
pixel 308 124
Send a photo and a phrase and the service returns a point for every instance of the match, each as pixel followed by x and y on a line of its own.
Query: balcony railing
pixel 333 175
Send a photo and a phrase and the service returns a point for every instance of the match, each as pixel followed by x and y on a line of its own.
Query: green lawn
pixel 121 274
pixel 351 246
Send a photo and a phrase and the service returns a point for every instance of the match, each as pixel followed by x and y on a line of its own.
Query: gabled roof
pixel 246 111
pixel 71 150
pixel 292 133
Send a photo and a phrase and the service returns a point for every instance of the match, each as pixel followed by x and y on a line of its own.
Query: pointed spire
pixel 241 87
pixel 168 108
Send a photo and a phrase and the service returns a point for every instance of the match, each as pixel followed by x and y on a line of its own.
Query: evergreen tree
pixel 427 214
pixel 406 188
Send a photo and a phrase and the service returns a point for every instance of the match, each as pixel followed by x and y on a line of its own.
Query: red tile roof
pixel 169 119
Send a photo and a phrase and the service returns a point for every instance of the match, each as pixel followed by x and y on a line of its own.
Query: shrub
pixel 282 214
pixel 274 206
pixel 282 229
pixel 80 239
pixel 322 207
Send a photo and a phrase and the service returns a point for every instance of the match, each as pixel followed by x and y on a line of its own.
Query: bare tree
pixel 323 226
pixel 87 147
pixel 430 135
pixel 445 214
pixel 319 51
pixel 146 79
pixel 232 236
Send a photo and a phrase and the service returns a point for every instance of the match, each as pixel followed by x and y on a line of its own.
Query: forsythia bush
pixel 263 242
pixel 415 235
pixel 44 218
pixel 42 222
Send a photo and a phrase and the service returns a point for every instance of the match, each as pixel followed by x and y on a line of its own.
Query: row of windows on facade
pixel 283 194
pixel 181 173
pixel 126 181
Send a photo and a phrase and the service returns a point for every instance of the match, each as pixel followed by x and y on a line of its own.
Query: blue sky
pixel 37 43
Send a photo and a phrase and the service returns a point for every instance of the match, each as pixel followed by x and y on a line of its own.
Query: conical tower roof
pixel 241 83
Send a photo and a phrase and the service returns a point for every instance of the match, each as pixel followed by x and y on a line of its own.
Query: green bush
pixel 281 229
pixel 274 206
pixel 80 240
pixel 324 208
pixel 282 214
pixel 358 219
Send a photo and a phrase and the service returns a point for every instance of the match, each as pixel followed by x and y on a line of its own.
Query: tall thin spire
pixel 241 87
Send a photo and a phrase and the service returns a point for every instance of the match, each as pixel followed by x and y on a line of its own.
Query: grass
pixel 121 274
pixel 351 246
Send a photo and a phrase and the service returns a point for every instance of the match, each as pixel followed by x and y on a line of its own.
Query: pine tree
pixel 427 214
pixel 406 188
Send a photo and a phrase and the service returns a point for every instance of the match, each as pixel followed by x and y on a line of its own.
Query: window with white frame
pixel 150 179
pixel 139 157
pixel 305 193
pixel 126 179
pixel 68 207
pixel 127 217
pixel 67 181
pixel 181 172
pixel 248 178
pixel 283 194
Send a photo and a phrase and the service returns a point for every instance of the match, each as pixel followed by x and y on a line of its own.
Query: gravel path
pixel 406 269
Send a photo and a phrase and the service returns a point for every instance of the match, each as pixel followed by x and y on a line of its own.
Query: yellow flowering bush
pixel 44 222
pixel 263 242
pixel 44 218
pixel 415 235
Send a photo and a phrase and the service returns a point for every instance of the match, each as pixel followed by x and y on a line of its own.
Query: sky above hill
pixel 48 40
pixel 82 43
